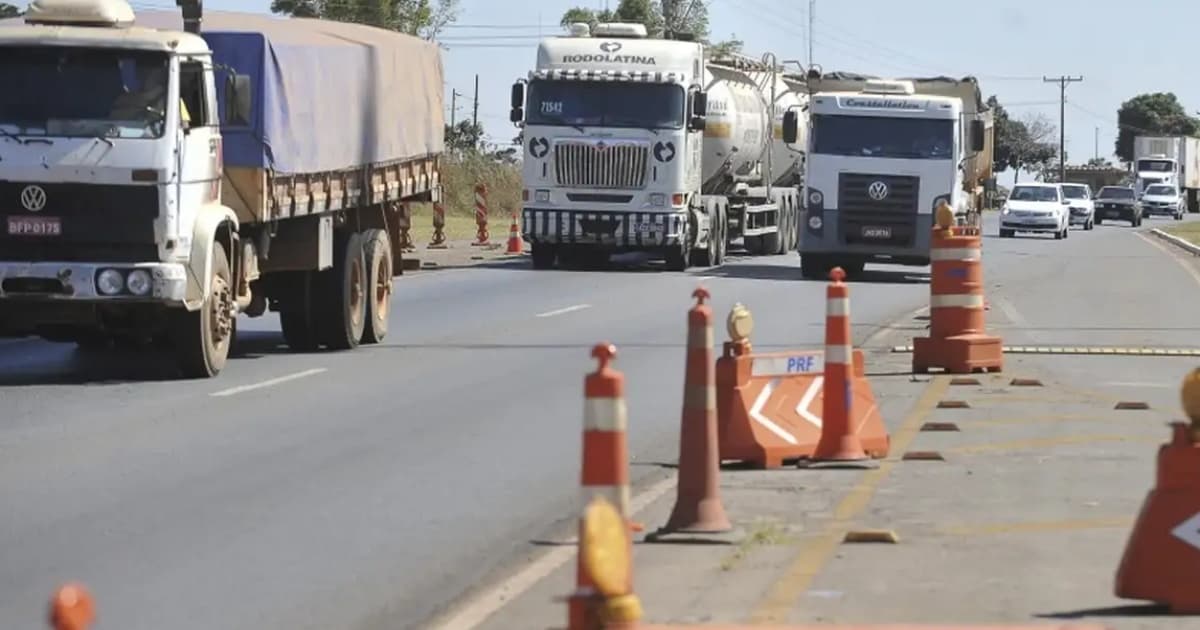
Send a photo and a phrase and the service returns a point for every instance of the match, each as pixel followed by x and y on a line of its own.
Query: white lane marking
pixel 1173 253
pixel 802 409
pixel 233 391
pixel 1015 316
pixel 479 609
pixel 564 311
pixel 756 413
pixel 1147 385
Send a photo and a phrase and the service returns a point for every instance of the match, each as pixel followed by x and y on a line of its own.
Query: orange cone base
pixel 705 517
pixel 1160 564
pixel 964 354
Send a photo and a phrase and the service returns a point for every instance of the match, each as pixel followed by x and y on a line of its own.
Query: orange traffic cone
pixel 72 608
pixel 1162 560
pixel 698 507
pixel 839 441
pixel 515 244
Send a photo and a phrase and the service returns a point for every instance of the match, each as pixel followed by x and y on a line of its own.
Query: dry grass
pixel 1189 232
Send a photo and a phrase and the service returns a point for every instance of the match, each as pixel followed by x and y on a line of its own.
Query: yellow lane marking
pixel 785 594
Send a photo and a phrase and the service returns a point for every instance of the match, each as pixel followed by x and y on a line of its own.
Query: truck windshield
pixel 1157 166
pixel 1116 193
pixel 83 92
pixel 1034 193
pixel 606 104
pixel 883 137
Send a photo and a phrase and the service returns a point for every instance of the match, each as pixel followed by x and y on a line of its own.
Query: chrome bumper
pixel 76 281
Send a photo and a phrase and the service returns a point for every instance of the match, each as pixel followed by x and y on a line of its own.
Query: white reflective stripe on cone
pixel 837 307
pixel 605 414
pixel 956 253
pixel 956 301
pixel 838 354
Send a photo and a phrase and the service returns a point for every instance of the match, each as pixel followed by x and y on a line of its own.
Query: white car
pixel 1083 207
pixel 1038 208
pixel 1163 199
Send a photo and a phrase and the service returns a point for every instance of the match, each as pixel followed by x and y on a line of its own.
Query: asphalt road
pixel 374 487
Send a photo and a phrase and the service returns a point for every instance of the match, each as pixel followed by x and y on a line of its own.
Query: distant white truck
pixel 1171 160
pixel 634 144
pixel 883 154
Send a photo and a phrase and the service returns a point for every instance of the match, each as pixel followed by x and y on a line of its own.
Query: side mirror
pixel 1066 202
pixel 517 100
pixel 978 135
pixel 238 99
pixel 700 104
pixel 791 127
pixel 697 123
pixel 516 114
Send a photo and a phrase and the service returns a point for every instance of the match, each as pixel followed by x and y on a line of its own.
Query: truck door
pixel 200 140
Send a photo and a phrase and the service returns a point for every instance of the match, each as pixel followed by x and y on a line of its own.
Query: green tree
pixel 464 136
pixel 659 16
pixel 1158 113
pixel 423 18
pixel 1021 143
pixel 8 10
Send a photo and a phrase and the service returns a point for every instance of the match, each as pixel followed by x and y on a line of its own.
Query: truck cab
pixel 1155 169
pixel 882 157
pixel 110 182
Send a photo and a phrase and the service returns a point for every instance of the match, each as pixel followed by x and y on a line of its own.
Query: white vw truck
pixel 883 154
pixel 140 203
pixel 642 145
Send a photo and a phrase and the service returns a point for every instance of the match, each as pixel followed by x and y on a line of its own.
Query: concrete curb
pixel 1177 242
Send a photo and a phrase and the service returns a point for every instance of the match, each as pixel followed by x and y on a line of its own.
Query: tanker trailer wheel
pixel 378 259
pixel 343 294
pixel 202 338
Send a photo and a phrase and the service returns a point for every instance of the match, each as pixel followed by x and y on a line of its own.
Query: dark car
pixel 1118 203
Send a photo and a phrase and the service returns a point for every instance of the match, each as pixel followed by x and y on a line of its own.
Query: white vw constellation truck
pixel 138 201
pixel 882 155
pixel 637 144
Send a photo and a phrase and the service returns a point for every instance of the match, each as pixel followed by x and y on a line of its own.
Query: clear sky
pixel 1008 44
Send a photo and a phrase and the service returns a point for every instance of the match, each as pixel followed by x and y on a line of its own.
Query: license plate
pixel 643 228
pixel 34 226
pixel 877 232
pixel 1113 213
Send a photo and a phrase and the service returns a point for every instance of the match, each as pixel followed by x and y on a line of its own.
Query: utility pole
pixel 812 10
pixel 453 106
pixel 1062 82
pixel 475 112
pixel 1097 143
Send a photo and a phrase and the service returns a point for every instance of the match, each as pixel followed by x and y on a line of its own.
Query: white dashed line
pixel 233 391
pixel 564 311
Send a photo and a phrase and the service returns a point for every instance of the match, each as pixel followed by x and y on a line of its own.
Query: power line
pixel 1062 82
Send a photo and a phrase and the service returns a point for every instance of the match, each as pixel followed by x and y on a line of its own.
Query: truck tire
pixel 679 258
pixel 343 294
pixel 202 338
pixel 297 316
pixel 714 254
pixel 815 267
pixel 543 255
pixel 378 257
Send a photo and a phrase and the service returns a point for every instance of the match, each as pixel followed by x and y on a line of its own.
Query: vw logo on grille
pixel 33 198
pixel 878 190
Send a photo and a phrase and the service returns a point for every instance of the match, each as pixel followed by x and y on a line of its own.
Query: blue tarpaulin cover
pixel 327 95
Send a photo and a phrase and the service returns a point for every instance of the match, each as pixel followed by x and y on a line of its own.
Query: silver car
pixel 1163 200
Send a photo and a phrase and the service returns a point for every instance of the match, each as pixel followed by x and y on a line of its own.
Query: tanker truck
pixel 159 179
pixel 882 156
pixel 643 145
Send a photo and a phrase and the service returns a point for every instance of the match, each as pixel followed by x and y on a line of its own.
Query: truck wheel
pixel 678 259
pixel 543 255
pixel 709 256
pixel 814 267
pixel 202 338
pixel 297 316
pixel 343 294
pixel 378 257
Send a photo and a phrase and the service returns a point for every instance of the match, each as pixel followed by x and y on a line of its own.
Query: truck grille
pixel 102 223
pixel 867 220
pixel 594 165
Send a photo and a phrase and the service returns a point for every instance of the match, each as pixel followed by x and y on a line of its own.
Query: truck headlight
pixel 658 199
pixel 110 282
pixel 815 222
pixel 815 197
pixel 139 282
